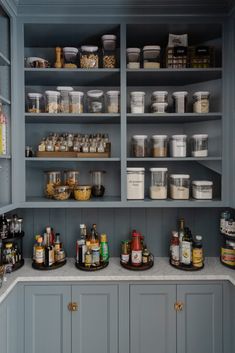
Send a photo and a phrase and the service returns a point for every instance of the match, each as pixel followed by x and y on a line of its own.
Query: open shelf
pixel 5 100
pixel 175 203
pixel 6 156
pixel 40 159
pixel 3 60
pixel 168 118
pixel 174 159
pixel 85 118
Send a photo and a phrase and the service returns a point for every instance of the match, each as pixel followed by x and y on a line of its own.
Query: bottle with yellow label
pixel 198 258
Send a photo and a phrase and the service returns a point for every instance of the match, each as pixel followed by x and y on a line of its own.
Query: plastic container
pixel 180 101
pixel 64 98
pixel 137 102
pixel 159 97
pixel 52 102
pixel 34 102
pixel 201 102
pixel 62 193
pixel 178 146
pixel 202 190
pixel 113 102
pixel 109 51
pixel 53 179
pixel 133 58
pixel 135 183
pixel 151 56
pixel 159 108
pixel 199 145
pixel 158 187
pixel 70 57
pixel 95 101
pixel 89 58
pixel 159 146
pixel 76 102
pixel 139 146
pixel 82 193
pixel 179 186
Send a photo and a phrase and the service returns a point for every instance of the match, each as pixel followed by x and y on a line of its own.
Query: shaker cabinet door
pixel 95 323
pixel 152 319
pixel 199 324
pixel 47 319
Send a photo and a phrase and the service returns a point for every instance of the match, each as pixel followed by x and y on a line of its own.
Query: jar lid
pixel 64 88
pixel 202 183
pixel 70 50
pixel 159 137
pixel 160 93
pixel 135 169
pixel 137 93
pixel 180 94
pixel 34 95
pixel 180 176
pixel 95 93
pixel 52 93
pixel 178 136
pixel 52 172
pixel 152 47
pixel 202 93
pixel 109 37
pixel 76 93
pixel 89 48
pixel 158 169
pixel 160 104
pixel 133 50
pixel 83 187
pixel 200 136
pixel 140 137
pixel 113 93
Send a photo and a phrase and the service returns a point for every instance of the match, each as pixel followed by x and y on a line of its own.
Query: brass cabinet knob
pixel 179 306
pixel 73 306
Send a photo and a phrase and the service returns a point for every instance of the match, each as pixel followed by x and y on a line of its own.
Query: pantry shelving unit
pixel 120 127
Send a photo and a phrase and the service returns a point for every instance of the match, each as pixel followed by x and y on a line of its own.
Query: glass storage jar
pixel 133 58
pixel 70 57
pixel 158 188
pixel 53 179
pixel 82 192
pixel 159 108
pixel 159 146
pixel 52 102
pixel 95 101
pixel 202 189
pixel 159 97
pixel 76 102
pixel 62 193
pixel 89 58
pixel 64 98
pixel 180 101
pixel 109 51
pixel 34 102
pixel 71 178
pixel 199 145
pixel 137 102
pixel 113 102
pixel 179 186
pixel 151 56
pixel 139 146
pixel 135 183
pixel 201 102
pixel 178 146
pixel 97 180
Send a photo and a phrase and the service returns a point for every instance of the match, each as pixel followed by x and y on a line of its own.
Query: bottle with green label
pixel 104 249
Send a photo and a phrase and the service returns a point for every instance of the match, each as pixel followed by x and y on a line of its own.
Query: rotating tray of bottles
pixel 143 267
pixel 227 265
pixel 42 267
pixel 82 267
pixel 187 268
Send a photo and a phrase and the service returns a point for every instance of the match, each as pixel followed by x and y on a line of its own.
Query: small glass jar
pixel 34 102
pixel 52 102
pixel 76 102
pixel 202 190
pixel 159 97
pixel 199 145
pixel 137 102
pixel 71 178
pixel 159 108
pixel 95 101
pixel 151 56
pixel 62 193
pixel 133 58
pixel 113 102
pixel 158 188
pixel 89 58
pixel 159 145
pixel 53 179
pixel 70 57
pixel 82 192
pixel 109 51
pixel 178 146
pixel 179 186
pixel 201 102
pixel 64 98
pixel 180 101
pixel 139 146
pixel 135 183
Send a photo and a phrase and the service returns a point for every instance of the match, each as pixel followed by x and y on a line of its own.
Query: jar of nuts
pixel 52 102
pixel 53 179
pixel 113 102
pixel 89 57
pixel 109 51
pixel 76 102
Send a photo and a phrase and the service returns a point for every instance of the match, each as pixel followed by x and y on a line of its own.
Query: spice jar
pixel 201 102
pixel 97 181
pixel 95 101
pixel 199 145
pixel 159 97
pixel 180 102
pixel 137 102
pixel 34 102
pixel 159 108
pixel 133 58
pixel 139 145
pixel 135 183
pixel 179 186
pixel 202 190
pixel 89 57
pixel 62 193
pixel 158 188
pixel 64 98
pixel 178 146
pixel 53 179
pixel 113 102
pixel 151 56
pixel 76 102
pixel 52 102
pixel 109 51
pixel 159 145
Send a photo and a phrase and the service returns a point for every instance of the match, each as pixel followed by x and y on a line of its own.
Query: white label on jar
pixel 199 193
pixel 175 252
pixel 39 256
pixel 135 187
pixel 186 253
pixel 178 148
pixel 125 258
pixel 136 256
pixel 179 192
pixel 202 153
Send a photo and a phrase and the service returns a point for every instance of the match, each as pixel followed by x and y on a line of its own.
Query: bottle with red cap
pixel 136 249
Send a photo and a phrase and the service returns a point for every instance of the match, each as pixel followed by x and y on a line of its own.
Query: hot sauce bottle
pixel 136 249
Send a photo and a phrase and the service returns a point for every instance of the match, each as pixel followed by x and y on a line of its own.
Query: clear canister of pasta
pixel 76 102
pixel 64 98
pixel 52 102
pixel 34 102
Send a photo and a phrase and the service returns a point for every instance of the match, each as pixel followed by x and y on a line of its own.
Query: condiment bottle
pixel 94 238
pixel 57 244
pixel 39 252
pixel 125 251
pixel 175 249
pixel 186 248
pixel 35 245
pixel 136 249
pixel 88 256
pixel 198 252
pixel 146 256
pixel 104 249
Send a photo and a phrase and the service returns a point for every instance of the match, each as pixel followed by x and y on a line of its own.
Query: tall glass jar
pixel 179 186
pixel 71 178
pixel 109 51
pixel 133 58
pixel 178 146
pixel 95 101
pixel 135 183
pixel 52 102
pixel 64 98
pixel 76 102
pixel 151 56
pixel 201 102
pixel 199 145
pixel 97 180
pixel 89 58
pixel 158 188
pixel 137 102
pixel 139 146
pixel 159 145
pixel 113 102
pixel 34 102
pixel 53 179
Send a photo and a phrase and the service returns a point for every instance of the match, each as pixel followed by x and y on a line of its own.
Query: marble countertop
pixel 161 271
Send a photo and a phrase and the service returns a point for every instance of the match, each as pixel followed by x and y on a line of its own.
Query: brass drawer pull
pixel 73 306
pixel 179 306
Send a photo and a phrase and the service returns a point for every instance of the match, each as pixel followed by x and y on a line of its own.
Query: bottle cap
pixel 103 238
